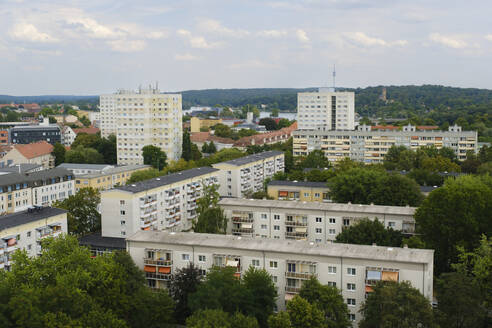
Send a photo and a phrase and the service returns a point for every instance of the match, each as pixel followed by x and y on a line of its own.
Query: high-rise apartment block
pixel 141 118
pixel 328 109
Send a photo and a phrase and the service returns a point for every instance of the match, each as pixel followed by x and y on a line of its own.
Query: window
pixel 318 240
pixel 351 287
pixel 351 317
pixel 263 216
pixel 122 222
pixel 306 194
pixel 333 220
pixel 276 227
pixel 332 269
pixel 202 272
pixel 255 263
pixel 346 222
pixel 123 233
pixel 185 257
pixel 274 279
pixel 264 226
pixel 28 234
pixel 332 284
pixel 29 247
pixel 273 264
pixel 122 202
pixel 122 212
pixel 351 301
pixel 319 230
pixel 316 194
pixel 332 231
pixel 276 217
pixel 319 220
pixel 391 224
pixel 351 271
pixel 201 258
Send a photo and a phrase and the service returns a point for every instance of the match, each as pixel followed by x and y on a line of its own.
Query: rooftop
pixel 35 149
pixel 230 242
pixel 24 167
pixel 20 218
pixel 89 130
pixel 96 240
pixel 36 127
pixel 166 179
pixel 252 158
pixel 298 184
pixel 15 178
pixel 114 170
pixel 74 166
pixel 334 207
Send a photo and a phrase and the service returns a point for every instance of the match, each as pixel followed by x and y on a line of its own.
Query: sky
pixel 90 47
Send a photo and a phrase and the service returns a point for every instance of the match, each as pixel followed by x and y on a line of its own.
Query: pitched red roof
pixel 385 127
pixel 89 130
pixel 427 127
pixel 269 137
pixel 199 136
pixel 33 150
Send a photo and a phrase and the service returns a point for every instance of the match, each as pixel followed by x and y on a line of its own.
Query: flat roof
pixel 166 179
pixel 23 167
pixel 231 242
pixel 317 206
pixel 36 127
pixel 114 170
pixel 20 218
pixel 252 158
pixel 13 178
pixel 97 240
pixel 298 184
pixel 84 166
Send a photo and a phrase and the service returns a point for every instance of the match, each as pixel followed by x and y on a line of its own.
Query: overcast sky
pixel 98 46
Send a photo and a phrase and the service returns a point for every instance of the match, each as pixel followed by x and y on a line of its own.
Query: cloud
pixel 186 57
pixel 272 33
pixel 127 45
pixel 214 26
pixel 29 32
pixel 363 39
pixel 448 41
pixel 302 36
pixel 255 63
pixel 488 37
pixel 77 19
pixel 197 41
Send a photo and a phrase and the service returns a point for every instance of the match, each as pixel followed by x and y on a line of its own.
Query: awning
pixel 149 268
pixel 373 275
pixel 283 193
pixel 147 228
pixel 288 297
pixel 165 270
pixel 55 224
pixel 369 289
pixel 237 274
pixel 247 225
pixel 11 242
pixel 390 276
pixel 232 263
pixel 301 229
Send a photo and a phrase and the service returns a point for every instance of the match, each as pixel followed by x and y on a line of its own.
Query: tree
pixel 455 214
pixel 260 284
pixel 367 232
pixel 222 130
pixel 211 218
pixel 210 149
pixel 269 123
pixel 59 153
pixel 195 153
pixel 304 315
pixel 144 175
pixel 154 156
pixel 329 300
pixel 279 320
pixel 220 319
pixel 393 304
pixel 283 123
pixel 186 153
pixel 275 112
pixel 83 216
pixel 315 159
pixel 107 147
pixel 184 282
pixel 80 154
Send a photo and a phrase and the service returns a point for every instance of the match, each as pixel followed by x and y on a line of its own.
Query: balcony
pixel 157 276
pixel 292 290
pixel 242 230
pixel 166 263
pixel 299 275
pixel 296 224
pixel 296 235
pixel 10 249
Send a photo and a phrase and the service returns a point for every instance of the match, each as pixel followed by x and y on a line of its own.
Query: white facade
pixel 146 117
pixel 328 109
pixel 47 194
pixel 354 269
pixel 315 222
pixel 245 175
pixel 68 136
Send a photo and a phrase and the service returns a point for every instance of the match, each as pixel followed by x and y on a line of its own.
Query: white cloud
pixel 272 33
pixel 185 57
pixel 365 40
pixel 255 63
pixel 29 32
pixel 198 41
pixel 489 37
pixel 127 45
pixel 302 36
pixel 448 41
pixel 91 27
pixel 214 26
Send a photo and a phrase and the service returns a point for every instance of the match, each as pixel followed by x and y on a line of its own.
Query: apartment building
pixel 167 202
pixel 34 153
pixel 50 133
pixel 19 191
pixel 354 269
pixel 79 169
pixel 109 178
pixel 370 146
pixel 25 230
pixel 313 221
pixel 305 191
pixel 197 123
pixel 245 175
pixel 326 108
pixel 140 118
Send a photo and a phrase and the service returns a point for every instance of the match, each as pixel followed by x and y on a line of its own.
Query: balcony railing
pixel 299 275
pixel 242 219
pixel 293 290
pixel 157 276
pixel 158 262
pixel 243 230
pixel 296 224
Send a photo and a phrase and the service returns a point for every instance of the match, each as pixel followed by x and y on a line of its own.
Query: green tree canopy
pixel 59 153
pixel 367 232
pixel 269 123
pixel 260 285
pixel 219 319
pixel 315 159
pixel 222 130
pixel 154 156
pixel 184 282
pixel 211 218
pixel 186 147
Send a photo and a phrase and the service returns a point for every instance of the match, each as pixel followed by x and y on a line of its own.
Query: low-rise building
pixel 25 230
pixel 354 269
pixel 268 138
pixel 306 191
pixel 109 178
pixel 166 202
pixel 312 221
pixel 34 153
pixel 245 175
pixel 199 138
pixel 197 123
pixel 69 134
pixel 79 169
pixel 50 133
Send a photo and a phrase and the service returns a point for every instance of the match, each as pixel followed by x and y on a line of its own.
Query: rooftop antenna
pixel 156 85
pixel 334 76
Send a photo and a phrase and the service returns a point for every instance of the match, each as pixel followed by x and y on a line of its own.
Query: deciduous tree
pixel 154 156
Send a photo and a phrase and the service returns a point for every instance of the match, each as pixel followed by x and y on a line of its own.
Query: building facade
pixel 108 179
pixel 328 109
pixel 33 133
pixel 80 169
pixel 312 221
pixel 354 269
pixel 25 230
pixel 196 123
pixel 138 119
pixel 35 153
pixel 304 191
pixel 167 202
pixel 243 176
pixel 368 146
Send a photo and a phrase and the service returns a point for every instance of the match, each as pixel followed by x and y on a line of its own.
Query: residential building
pixel 245 175
pixel 108 179
pixel 50 133
pixel 199 138
pixel 305 191
pixel 69 134
pixel 18 191
pixel 167 202
pixel 370 146
pixel 34 153
pixel 144 117
pixel 197 123
pixel 312 221
pixel 25 231
pixel 4 137
pixel 353 269
pixel 326 109
pixel 268 138
pixel 21 168
pixel 79 169
pixel 100 245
